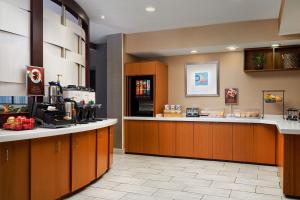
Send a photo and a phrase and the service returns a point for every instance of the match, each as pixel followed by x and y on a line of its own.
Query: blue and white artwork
pixel 201 79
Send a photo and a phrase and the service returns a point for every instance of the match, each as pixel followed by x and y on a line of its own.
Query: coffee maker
pixel 56 113
pixel 85 103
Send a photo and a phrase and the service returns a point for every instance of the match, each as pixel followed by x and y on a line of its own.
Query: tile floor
pixel 137 177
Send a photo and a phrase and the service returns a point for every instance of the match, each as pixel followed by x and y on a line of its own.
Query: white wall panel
pixel 14 57
pixel 59 35
pixel 14 19
pixel 52 49
pixel 23 4
pixel 51 16
pixel 55 65
pixel 75 57
pixel 12 89
pixel 75 28
pixel 83 76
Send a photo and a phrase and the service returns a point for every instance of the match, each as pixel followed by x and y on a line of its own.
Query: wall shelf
pixel 283 58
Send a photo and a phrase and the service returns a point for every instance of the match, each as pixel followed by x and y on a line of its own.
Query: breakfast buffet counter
pixel 283 126
pixel 270 141
pixel 54 163
pixel 8 135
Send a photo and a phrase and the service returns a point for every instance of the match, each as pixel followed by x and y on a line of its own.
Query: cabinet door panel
pixel 166 138
pixel 102 151
pixel 134 136
pixel 150 137
pixel 132 69
pixel 203 139
pixel 111 144
pixel 50 167
pixel 243 145
pixel 222 141
pixel 264 144
pixel 184 139
pixel 147 68
pixel 14 170
pixel 83 158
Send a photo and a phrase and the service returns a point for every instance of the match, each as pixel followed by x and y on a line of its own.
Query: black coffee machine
pixel 87 113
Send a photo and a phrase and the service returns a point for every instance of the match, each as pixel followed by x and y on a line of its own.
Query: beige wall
pixel 231 75
pixel 239 33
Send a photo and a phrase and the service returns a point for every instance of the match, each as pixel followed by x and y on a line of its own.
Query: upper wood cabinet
pixel 264 144
pixel 203 140
pixel 83 159
pixel 185 139
pixel 141 68
pixel 243 142
pixel 150 137
pixel 14 170
pixel 222 141
pixel 166 138
pixel 102 151
pixel 50 167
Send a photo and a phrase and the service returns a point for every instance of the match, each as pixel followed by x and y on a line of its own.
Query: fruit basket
pixel 19 123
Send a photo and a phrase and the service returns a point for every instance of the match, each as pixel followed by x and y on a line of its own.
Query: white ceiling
pixel 129 16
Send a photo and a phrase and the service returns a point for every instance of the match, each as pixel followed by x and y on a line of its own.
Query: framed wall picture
pixel 202 79
pixel 231 96
pixel 35 81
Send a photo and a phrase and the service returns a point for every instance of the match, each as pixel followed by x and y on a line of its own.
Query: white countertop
pixel 7 136
pixel 284 126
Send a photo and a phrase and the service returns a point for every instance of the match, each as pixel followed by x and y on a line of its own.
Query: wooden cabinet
pixel 111 144
pixel 203 140
pixel 264 144
pixel 102 151
pixel 150 137
pixel 134 136
pixel 50 167
pixel 243 142
pixel 166 138
pixel 83 159
pixel 141 68
pixel 14 170
pixel 159 71
pixel 222 141
pixel 184 139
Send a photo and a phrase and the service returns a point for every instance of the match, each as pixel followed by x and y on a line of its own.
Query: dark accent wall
pixel 36 37
pixel 98 63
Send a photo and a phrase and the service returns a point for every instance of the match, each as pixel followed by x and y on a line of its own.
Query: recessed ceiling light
pixel 275 45
pixel 232 48
pixel 102 17
pixel 150 9
pixel 194 51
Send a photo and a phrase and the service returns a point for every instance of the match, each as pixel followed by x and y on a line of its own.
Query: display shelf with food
pixel 213 113
pixel 246 113
pixel 273 96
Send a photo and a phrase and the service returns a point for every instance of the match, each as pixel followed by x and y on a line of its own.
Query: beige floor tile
pixel 252 196
pixel 153 177
pixel 121 179
pixel 233 186
pixel 132 196
pixel 177 195
pixel 238 175
pixel 191 181
pixel 208 191
pixel 137 189
pixel 268 190
pixel 103 193
pixel 164 185
pixel 216 177
pixel 257 182
pixel 105 184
